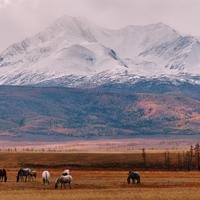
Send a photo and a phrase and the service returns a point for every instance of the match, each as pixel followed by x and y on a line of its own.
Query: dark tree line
pixel 186 160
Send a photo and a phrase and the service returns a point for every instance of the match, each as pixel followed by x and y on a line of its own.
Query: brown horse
pixel 3 175
pixel 33 175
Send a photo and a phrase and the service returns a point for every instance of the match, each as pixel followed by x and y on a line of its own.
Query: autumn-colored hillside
pixel 146 108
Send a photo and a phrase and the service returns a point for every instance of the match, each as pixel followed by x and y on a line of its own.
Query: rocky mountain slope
pixel 73 52
pixel 78 80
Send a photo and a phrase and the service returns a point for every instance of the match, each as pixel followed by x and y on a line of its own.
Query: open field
pixel 92 181
pixel 92 185
pixel 88 161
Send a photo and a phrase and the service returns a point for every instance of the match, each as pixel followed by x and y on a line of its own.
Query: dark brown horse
pixel 134 177
pixel 3 175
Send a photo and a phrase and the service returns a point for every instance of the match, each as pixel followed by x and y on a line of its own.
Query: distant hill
pixel 117 110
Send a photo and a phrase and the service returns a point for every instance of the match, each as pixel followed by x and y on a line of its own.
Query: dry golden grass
pixel 118 161
pixel 98 184
pixel 111 185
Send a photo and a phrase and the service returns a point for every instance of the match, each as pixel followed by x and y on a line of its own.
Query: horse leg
pixel 70 187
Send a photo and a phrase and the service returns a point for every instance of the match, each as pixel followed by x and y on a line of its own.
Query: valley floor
pixel 103 145
pixel 109 185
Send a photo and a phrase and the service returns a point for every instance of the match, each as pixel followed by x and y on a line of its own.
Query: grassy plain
pixel 92 181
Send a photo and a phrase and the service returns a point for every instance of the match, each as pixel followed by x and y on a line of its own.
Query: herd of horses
pixel 26 174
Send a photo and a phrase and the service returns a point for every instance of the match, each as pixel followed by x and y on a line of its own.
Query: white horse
pixel 63 180
pixel 45 177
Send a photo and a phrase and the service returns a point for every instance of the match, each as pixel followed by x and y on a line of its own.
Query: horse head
pixel 18 175
pixel 17 178
pixel 129 179
pixel 57 182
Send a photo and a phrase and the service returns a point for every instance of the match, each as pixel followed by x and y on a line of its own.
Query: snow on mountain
pixel 74 52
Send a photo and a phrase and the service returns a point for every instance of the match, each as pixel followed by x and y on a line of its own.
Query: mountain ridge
pixel 75 47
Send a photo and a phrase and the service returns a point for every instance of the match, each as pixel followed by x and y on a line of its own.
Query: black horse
pixel 3 175
pixel 134 177
pixel 23 173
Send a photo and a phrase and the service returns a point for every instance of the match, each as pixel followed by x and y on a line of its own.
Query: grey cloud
pixel 22 18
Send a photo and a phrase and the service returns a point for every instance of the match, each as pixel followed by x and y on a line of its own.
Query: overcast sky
pixel 23 18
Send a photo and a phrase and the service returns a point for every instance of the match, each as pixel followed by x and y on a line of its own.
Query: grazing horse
pixel 66 172
pixel 23 173
pixel 45 177
pixel 63 180
pixel 33 175
pixel 3 175
pixel 134 176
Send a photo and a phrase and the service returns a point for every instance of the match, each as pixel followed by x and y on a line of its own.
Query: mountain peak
pixel 70 19
pixel 76 48
pixel 67 21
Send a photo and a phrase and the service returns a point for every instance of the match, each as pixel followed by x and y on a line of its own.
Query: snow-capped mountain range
pixel 74 52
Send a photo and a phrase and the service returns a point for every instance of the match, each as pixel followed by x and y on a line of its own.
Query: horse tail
pixel 71 178
pixel 5 175
pixel 46 176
